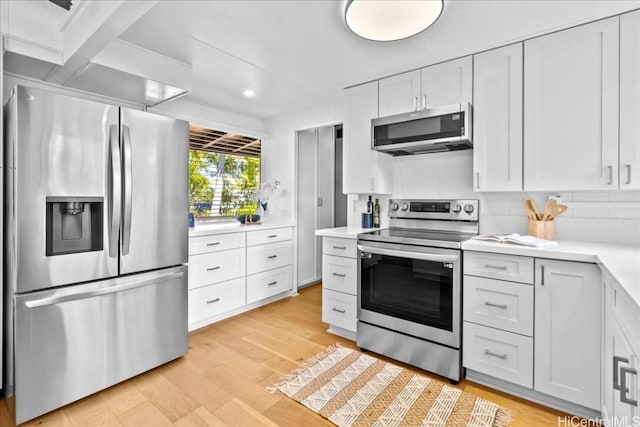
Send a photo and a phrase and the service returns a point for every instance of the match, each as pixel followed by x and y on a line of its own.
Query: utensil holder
pixel 542 229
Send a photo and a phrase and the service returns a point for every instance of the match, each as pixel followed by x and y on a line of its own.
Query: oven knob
pixel 394 207
pixel 405 206
pixel 456 208
pixel 468 208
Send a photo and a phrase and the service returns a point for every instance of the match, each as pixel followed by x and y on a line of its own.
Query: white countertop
pixel 344 232
pixel 622 261
pixel 233 227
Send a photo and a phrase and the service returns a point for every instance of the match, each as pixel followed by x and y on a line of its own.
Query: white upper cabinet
pixel 497 119
pixel 400 93
pixel 365 170
pixel 447 83
pixel 571 109
pixel 442 84
pixel 629 173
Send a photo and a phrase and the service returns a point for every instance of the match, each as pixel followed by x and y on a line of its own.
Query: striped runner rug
pixel 350 388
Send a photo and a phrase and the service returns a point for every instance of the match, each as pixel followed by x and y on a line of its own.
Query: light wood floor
pixel 222 380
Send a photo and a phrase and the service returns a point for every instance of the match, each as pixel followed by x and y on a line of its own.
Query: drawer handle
pixel 272 256
pixel 272 283
pixel 491 304
pixel 623 384
pixel 213 244
pixel 499 356
pixel 213 268
pixel 339 274
pixel 342 248
pixel 211 301
pixel 271 236
pixel 497 267
pixel 339 310
pixel 616 379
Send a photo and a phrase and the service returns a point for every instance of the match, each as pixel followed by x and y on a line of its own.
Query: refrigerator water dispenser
pixel 74 224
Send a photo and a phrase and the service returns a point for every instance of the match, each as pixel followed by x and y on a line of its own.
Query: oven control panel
pixel 455 209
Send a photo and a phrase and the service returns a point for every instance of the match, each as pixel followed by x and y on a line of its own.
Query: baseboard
pixel 344 333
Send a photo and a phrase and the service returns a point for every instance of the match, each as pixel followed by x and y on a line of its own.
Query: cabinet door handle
pixel 339 310
pixel 542 275
pixel 610 169
pixel 477 180
pixel 628 168
pixel 496 267
pixel 492 304
pixel 339 274
pixel 211 301
pixel 213 268
pixel 272 256
pixel 272 283
pixel 415 103
pixel 213 244
pixel 271 236
pixel 499 356
pixel 616 372
pixel 342 248
pixel 424 101
pixel 623 385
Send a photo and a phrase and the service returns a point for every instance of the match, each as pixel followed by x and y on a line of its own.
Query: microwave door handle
pixel 408 254
pixel 126 220
pixel 115 191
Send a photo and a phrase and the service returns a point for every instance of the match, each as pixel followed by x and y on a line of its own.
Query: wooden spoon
pixel 549 209
pixel 527 207
pixel 534 209
pixel 560 209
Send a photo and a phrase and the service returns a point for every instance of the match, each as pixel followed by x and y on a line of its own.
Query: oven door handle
pixel 408 254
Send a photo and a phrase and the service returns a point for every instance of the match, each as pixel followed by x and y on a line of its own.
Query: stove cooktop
pixel 434 238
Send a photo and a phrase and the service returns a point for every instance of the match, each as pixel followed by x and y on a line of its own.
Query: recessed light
pixel 249 93
pixel 387 20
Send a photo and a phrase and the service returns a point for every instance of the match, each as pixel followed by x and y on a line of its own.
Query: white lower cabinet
pixel 501 354
pixel 234 272
pixel 568 331
pixel 621 365
pixel 340 285
pixel 339 309
pixel 534 323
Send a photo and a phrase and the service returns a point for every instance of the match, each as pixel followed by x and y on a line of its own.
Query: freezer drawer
pixel 77 340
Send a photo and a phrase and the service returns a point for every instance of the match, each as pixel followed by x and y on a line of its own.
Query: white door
pixel 567 334
pixel 399 94
pixel 630 101
pixel 306 196
pixel 497 119
pixel 447 83
pixel 571 109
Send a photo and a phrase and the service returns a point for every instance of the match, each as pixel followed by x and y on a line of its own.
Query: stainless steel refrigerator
pixel 96 238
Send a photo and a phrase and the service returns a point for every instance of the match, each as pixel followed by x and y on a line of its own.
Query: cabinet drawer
pixel 340 274
pixel 627 314
pixel 215 242
pixel 498 304
pixel 339 309
pixel 267 257
pixel 213 300
pixel 498 353
pixel 269 283
pixel 499 266
pixel 269 236
pixel 206 269
pixel 340 247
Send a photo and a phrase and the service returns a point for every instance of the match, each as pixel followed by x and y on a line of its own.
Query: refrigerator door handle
pixel 126 221
pixel 115 191
pixel 161 277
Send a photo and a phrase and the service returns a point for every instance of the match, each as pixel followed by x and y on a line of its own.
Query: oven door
pixel 410 289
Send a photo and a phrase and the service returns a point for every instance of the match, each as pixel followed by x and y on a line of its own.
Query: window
pixel 224 173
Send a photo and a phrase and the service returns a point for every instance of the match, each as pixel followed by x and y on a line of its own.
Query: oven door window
pixel 414 290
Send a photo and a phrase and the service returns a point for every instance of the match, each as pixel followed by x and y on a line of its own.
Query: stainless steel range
pixel 409 294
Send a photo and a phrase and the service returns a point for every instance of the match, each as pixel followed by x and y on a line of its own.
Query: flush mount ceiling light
pixel 387 20
pixel 249 93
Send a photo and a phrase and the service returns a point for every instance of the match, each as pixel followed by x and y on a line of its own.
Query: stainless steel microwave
pixel 427 131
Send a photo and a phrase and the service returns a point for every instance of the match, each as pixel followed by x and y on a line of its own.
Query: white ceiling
pixel 294 54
